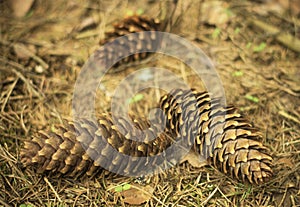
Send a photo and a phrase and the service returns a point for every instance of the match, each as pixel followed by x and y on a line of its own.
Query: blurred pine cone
pixel 127 46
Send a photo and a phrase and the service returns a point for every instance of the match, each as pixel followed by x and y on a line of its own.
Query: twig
pixel 52 188
pixel 8 183
pixel 286 115
pixel 28 84
pixel 7 155
pixel 9 94
pixel 224 196
pixel 20 75
pixel 4 204
pixel 285 38
pixel 22 121
pixel 25 50
pixel 32 55
pixel 209 197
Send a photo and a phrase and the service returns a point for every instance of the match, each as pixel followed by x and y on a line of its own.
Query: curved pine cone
pixel 83 146
pixel 221 135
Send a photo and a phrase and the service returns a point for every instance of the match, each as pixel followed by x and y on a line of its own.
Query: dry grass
pixel 36 93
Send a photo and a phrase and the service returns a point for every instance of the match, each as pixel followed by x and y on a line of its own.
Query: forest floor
pixel 42 53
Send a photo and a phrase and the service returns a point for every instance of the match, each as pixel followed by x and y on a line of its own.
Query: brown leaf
pixel 286 162
pixel 194 159
pixel 20 7
pixel 86 23
pixel 216 13
pixel 137 194
pixel 293 5
pixel 23 52
pixel 228 188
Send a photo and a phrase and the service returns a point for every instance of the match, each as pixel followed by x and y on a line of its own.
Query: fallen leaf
pixel 138 97
pixel 216 33
pixel 286 162
pixel 39 69
pixel 237 73
pixel 86 23
pixel 20 7
pixel 277 6
pixel 228 188
pixel 137 194
pixel 194 159
pixel 121 188
pixel 260 47
pixel 140 11
pixel 292 5
pixel 217 13
pixel 252 98
pixel 23 52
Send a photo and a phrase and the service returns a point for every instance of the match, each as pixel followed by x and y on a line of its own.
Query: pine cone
pixel 220 134
pixel 83 147
pixel 112 53
pixel 126 46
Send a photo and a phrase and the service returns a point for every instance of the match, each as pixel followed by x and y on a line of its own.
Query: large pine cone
pixel 221 135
